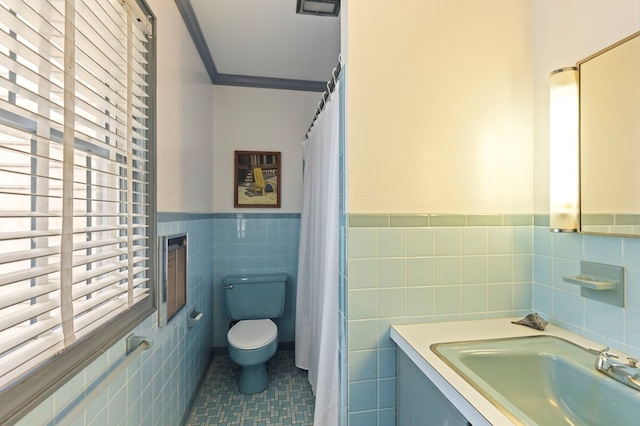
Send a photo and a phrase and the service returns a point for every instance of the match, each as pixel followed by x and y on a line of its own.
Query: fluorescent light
pixel 564 185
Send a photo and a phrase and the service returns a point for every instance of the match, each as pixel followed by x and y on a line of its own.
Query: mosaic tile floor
pixel 287 401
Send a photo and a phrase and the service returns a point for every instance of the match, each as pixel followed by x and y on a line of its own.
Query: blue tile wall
pixel 157 387
pixel 559 255
pixel 255 243
pixel 469 272
pixel 399 274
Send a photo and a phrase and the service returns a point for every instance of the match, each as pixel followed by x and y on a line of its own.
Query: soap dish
pixel 601 282
pixel 592 283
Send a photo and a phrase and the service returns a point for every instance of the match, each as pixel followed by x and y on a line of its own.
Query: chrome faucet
pixel 629 374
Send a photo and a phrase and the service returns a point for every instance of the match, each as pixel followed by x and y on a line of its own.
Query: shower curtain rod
pixel 331 85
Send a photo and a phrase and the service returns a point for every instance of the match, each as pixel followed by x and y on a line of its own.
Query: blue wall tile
pixel 632 330
pixel 563 305
pixel 387 362
pixel 420 242
pixel 387 417
pixel 448 241
pixel 500 269
pixel 523 240
pixel 474 241
pixel 565 268
pixel 365 365
pixel 362 334
pixel 500 240
pixel 363 395
pixel 420 271
pixel 542 241
pixel 366 418
pixel 255 243
pixel 447 271
pixel 632 252
pixel 391 272
pixel 632 278
pixel 568 307
pixel 392 242
pixel 543 270
pixel 604 319
pixel 387 393
pixel 567 245
pixel 443 275
pixel 603 249
pixel 543 300
pixel 473 298
pixel 500 297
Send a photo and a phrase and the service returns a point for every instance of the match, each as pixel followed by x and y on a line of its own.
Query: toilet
pixel 253 300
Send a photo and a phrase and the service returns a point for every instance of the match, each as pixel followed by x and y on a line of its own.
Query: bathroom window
pixel 77 221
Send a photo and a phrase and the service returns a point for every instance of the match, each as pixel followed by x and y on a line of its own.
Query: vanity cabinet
pixel 419 401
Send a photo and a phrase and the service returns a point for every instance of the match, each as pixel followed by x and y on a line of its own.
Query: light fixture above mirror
pixel 564 186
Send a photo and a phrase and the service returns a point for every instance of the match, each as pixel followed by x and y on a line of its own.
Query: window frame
pixel 27 392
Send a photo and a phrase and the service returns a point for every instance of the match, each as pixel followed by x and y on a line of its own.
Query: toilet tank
pixel 255 296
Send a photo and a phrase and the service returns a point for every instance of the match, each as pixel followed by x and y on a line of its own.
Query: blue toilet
pixel 253 300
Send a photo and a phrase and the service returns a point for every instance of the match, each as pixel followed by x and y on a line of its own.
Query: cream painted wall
pixel 184 108
pixel 440 107
pixel 260 119
pixel 566 32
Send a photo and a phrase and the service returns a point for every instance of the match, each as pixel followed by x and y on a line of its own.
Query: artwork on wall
pixel 257 179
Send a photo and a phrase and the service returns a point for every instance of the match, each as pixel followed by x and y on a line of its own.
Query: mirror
pixel 610 140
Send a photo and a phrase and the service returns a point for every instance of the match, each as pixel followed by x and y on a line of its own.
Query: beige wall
pixel 263 120
pixel 185 129
pixel 566 32
pixel 440 106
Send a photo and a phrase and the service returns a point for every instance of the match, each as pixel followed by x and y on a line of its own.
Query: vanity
pixel 493 372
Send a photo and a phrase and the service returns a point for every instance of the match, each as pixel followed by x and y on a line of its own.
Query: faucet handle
pixel 633 363
pixel 604 352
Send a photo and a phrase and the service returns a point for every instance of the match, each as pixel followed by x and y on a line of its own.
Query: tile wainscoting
pixel 424 268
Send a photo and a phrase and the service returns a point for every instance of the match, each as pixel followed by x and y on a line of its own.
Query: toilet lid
pixel 252 334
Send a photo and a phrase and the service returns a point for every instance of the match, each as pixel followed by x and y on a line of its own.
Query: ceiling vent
pixel 319 7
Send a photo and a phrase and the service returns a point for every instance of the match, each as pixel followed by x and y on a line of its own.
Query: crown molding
pixel 193 26
pixel 270 83
pixel 190 20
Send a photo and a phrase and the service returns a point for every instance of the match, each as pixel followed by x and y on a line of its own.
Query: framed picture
pixel 257 179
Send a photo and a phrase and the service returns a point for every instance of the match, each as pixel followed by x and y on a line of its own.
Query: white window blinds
pixel 74 174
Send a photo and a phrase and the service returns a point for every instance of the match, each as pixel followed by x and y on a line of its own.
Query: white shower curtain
pixel 317 293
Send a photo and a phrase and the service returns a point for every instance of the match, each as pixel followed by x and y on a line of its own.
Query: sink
pixel 542 380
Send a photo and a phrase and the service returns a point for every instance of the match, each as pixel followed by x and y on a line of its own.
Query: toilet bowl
pixel 253 300
pixel 251 344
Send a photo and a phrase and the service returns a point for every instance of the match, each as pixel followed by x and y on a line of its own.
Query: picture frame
pixel 257 179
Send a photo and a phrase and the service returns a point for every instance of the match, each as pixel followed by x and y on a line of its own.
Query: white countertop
pixel 415 341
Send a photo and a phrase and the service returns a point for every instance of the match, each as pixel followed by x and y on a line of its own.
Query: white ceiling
pixel 266 38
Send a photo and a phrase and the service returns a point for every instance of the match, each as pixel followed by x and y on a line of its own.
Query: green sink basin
pixel 542 380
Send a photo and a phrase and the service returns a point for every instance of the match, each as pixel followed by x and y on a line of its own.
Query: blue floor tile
pixel 287 401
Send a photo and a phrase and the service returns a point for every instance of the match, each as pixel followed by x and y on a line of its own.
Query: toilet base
pixel 253 379
pixel 253 369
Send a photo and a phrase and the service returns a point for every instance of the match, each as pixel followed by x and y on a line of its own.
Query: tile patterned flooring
pixel 287 401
